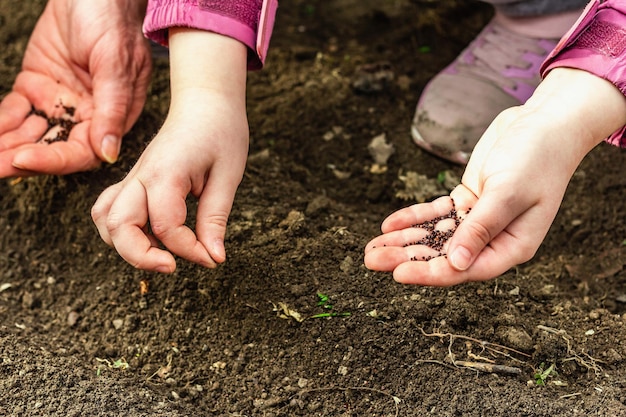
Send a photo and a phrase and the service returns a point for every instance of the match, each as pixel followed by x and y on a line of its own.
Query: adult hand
pixel 514 183
pixel 86 62
pixel 201 149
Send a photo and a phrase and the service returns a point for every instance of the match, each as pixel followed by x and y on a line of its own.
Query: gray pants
pixel 521 8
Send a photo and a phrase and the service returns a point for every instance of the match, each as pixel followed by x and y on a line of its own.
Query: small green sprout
pixel 118 364
pixel 324 302
pixel 542 375
pixel 441 177
pixel 333 314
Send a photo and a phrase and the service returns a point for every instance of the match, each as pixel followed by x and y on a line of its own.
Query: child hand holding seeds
pixel 514 183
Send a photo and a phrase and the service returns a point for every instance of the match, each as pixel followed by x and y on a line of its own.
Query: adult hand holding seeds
pixel 83 84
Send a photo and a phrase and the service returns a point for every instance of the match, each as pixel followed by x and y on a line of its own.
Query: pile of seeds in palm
pixel 65 123
pixel 436 239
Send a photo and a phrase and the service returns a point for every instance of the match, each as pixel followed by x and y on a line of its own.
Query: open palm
pixel 82 86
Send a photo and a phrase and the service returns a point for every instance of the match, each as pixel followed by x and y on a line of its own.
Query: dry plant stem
pixel 162 369
pixel 493 347
pixel 436 362
pixel 590 363
pixel 479 366
pixel 570 395
pixel 489 368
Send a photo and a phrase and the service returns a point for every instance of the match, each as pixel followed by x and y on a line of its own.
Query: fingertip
pixel 218 251
pixel 367 261
pixel 20 160
pixel 407 273
pixel 372 244
pixel 385 227
pixel 433 273
pixel 26 160
pixel 166 268
pixel 157 260
pixel 110 148
pixel 383 259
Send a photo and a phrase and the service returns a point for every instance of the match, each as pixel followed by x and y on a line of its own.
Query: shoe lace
pixel 497 50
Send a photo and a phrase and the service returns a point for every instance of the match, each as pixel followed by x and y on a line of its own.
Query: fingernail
pixel 18 161
pixel 164 269
pixel 460 258
pixel 17 164
pixel 219 252
pixel 111 148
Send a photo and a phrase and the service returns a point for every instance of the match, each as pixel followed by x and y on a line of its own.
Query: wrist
pixel 204 62
pixel 585 107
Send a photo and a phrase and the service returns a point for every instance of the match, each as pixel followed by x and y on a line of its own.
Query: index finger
pixel 14 109
pixel 125 223
pixel 167 208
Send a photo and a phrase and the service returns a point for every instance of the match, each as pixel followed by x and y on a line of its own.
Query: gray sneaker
pixel 499 69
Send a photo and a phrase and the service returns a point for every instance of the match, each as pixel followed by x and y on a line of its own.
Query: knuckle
pixel 479 232
pixel 526 252
pixel 113 222
pixel 97 211
pixel 159 229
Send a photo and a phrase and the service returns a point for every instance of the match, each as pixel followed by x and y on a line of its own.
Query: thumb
pixel 213 210
pixel 119 92
pixel 111 96
pixel 487 219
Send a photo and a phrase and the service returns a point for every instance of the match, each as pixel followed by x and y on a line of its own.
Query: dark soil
pixel 77 338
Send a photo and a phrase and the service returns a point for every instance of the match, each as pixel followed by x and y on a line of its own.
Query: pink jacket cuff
pixel 597 44
pixel 250 22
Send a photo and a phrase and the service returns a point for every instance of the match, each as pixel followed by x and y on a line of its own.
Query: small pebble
pixel 72 318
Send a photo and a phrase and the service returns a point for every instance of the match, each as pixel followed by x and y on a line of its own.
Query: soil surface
pixel 78 338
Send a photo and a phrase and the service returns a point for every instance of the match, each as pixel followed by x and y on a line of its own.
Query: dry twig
pixel 492 347
pixel 486 365
pixel 489 368
pixel 586 360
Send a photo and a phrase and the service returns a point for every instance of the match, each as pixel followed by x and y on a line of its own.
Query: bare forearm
pixel 203 61
pixel 586 107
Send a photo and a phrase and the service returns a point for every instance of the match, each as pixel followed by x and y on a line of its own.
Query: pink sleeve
pixel 249 21
pixel 597 44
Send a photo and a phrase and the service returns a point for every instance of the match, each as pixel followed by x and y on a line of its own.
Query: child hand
pixel 86 57
pixel 513 184
pixel 201 149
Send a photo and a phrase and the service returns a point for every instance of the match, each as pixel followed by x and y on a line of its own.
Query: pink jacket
pixel 597 44
pixel 249 21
